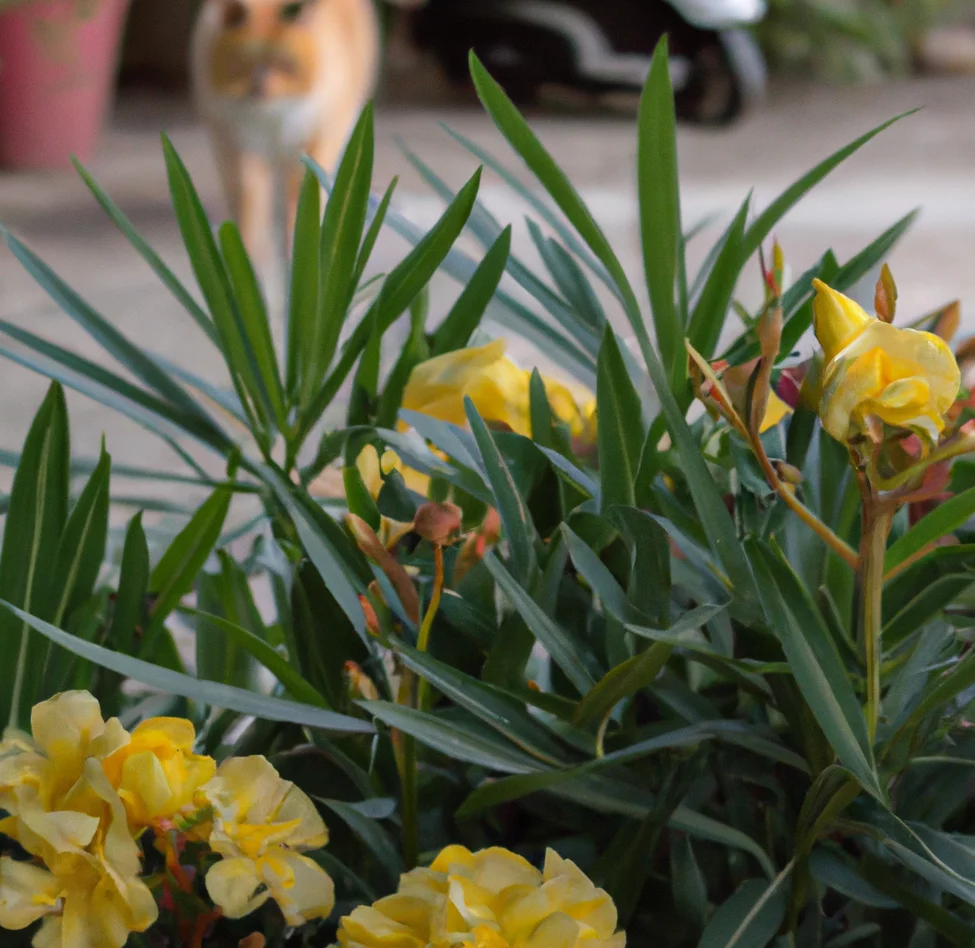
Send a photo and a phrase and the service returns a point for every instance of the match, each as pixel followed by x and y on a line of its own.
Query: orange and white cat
pixel 274 80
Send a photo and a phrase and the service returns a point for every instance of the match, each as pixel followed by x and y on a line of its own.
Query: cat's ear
pixel 235 14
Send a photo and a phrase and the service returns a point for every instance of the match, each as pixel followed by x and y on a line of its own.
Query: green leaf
pixel 140 363
pixel 176 571
pixel 570 279
pixel 465 315
pixel 816 664
pixel 565 652
pixel 210 693
pixel 534 200
pixel 687 882
pixel 166 276
pixel 211 275
pixel 766 221
pixel 401 287
pixel 321 548
pixel 133 586
pixel 112 390
pixel 603 583
pixel 493 705
pixel 515 518
pixel 750 918
pixel 303 297
pixel 708 318
pixel 373 836
pixel 660 223
pixel 372 234
pixel 621 430
pixel 638 672
pixel 31 536
pixel 254 319
pixel 358 498
pixel 945 518
pixel 345 218
pixel 515 129
pixel 81 551
pixel 321 638
pixel 273 661
pixel 452 737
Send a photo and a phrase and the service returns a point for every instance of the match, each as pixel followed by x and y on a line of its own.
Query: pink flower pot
pixel 57 72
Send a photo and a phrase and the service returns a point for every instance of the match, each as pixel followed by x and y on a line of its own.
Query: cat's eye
pixel 291 12
pixel 234 14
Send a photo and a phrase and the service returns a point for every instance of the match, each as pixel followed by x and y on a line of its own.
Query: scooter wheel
pixel 711 95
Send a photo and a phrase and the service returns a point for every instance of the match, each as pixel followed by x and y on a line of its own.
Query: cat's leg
pixel 330 144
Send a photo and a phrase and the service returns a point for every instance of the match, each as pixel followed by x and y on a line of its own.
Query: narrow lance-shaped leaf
pixel 621 430
pixel 140 363
pixel 345 218
pixel 177 570
pixel 515 129
pixel 465 315
pixel 305 263
pixel 709 314
pixel 211 275
pixel 515 518
pixel 660 223
pixel 253 317
pixel 81 551
pixel 401 286
pixel 166 275
pixel 32 532
pixel 791 196
pixel 211 693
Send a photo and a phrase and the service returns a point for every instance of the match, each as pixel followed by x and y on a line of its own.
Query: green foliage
pixel 655 670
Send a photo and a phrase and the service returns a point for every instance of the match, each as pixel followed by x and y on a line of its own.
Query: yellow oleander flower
pixel 489 899
pixel 904 377
pixel 42 783
pixel 156 773
pixel 498 389
pixel 260 824
pixel 65 812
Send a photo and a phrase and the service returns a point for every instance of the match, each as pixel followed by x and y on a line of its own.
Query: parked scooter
pixel 604 46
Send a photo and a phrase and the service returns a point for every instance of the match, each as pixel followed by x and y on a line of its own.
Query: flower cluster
pixel 81 791
pixel 489 899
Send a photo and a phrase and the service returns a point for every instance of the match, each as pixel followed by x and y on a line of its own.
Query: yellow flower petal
pixel 236 886
pixel 906 378
pixel 260 822
pixel 156 773
pixel 300 886
pixel 488 899
pixel 27 893
pixel 837 320
pixel 775 411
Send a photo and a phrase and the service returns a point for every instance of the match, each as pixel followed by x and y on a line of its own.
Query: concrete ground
pixel 927 160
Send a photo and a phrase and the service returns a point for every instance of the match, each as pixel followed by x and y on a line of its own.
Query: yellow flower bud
pixel 903 377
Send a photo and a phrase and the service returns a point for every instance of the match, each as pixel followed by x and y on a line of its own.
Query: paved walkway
pixel 928 160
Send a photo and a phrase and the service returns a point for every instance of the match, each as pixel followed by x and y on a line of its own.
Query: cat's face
pixel 263 49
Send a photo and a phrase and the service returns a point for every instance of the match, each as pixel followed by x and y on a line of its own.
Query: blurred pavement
pixel 927 160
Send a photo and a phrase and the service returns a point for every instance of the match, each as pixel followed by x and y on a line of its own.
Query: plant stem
pixel 843 549
pixel 411 807
pixel 877 519
pixel 423 637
